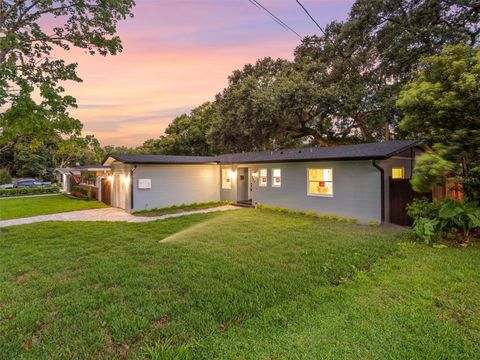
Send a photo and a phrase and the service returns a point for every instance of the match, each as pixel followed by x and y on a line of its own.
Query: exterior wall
pixel 387 165
pixel 176 185
pixel 356 189
pixel 121 191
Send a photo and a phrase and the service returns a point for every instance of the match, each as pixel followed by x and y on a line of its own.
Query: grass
pixel 42 205
pixel 245 284
pixel 180 208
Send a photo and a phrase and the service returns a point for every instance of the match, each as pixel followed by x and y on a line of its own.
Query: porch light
pixel 110 178
pixel 232 173
pixel 255 174
pixel 126 179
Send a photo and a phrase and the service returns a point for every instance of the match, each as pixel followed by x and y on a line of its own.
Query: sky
pixel 177 54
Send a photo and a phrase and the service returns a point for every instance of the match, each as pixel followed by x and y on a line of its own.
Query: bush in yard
pixel 79 192
pixel 5 177
pixel 335 217
pixel 446 219
pixel 29 191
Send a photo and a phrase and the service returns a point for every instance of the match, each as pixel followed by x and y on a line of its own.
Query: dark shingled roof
pixel 161 159
pixel 377 150
pixel 93 167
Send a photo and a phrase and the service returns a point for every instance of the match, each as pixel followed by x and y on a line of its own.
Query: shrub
pixel 424 208
pixel 446 219
pixel 352 220
pixel 29 191
pixel 79 192
pixel 5 177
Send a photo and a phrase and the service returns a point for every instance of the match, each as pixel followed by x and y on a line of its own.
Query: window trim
pixel 398 168
pixel 273 178
pixel 260 177
pixel 227 177
pixel 308 183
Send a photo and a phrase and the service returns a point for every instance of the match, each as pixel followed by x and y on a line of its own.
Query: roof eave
pixel 406 147
pixel 168 163
pixel 359 158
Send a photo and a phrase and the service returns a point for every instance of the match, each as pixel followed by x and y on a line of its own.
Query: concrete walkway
pixel 106 214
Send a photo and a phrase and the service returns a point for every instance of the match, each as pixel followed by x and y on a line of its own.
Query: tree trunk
pixel 387 131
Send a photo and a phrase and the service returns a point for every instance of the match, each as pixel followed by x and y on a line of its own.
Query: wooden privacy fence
pixel 401 194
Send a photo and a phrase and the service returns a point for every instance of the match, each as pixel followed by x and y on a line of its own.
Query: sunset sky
pixel 178 54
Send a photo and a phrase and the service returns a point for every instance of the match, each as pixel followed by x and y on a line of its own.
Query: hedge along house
pixel 349 180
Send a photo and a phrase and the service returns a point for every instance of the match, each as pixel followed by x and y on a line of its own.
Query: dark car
pixel 25 183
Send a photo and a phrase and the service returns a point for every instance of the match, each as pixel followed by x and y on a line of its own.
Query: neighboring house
pixel 89 176
pixel 348 180
pixel 63 176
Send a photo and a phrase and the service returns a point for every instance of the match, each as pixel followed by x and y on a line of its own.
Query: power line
pixel 311 17
pixel 324 34
pixel 277 20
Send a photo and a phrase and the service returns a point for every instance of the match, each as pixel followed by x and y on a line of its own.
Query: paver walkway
pixel 106 214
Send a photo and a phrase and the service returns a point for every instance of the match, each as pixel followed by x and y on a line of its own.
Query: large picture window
pixel 263 178
pixel 226 179
pixel 320 182
pixel 276 177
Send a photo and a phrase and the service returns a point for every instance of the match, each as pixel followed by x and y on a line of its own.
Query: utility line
pixel 311 17
pixel 277 20
pixel 324 34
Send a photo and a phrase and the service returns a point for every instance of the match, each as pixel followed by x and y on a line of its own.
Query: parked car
pixel 43 183
pixel 6 186
pixel 25 183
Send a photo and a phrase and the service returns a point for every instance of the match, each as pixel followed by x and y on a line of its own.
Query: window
pixel 276 177
pixel 263 178
pixel 398 173
pixel 226 179
pixel 320 182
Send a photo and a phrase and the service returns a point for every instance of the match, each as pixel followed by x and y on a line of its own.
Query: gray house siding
pixel 175 185
pixel 356 189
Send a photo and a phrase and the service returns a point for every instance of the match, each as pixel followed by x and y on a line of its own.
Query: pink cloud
pixel 177 55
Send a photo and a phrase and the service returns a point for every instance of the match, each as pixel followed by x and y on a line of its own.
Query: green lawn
pixel 180 208
pixel 42 205
pixel 245 284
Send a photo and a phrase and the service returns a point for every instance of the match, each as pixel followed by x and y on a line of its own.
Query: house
pixel 88 177
pixel 359 181
pixel 63 176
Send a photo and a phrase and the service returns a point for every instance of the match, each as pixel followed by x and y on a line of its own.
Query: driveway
pixel 106 214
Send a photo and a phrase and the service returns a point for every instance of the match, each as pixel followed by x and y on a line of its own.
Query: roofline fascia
pixel 393 153
pixel 105 158
pixel 167 163
pixel 363 158
pixel 250 162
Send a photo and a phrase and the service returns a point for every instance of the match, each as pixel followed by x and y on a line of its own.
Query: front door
pixel 106 191
pixel 242 184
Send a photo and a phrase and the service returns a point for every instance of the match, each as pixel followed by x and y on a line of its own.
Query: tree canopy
pixel 442 106
pixel 32 74
pixel 342 85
